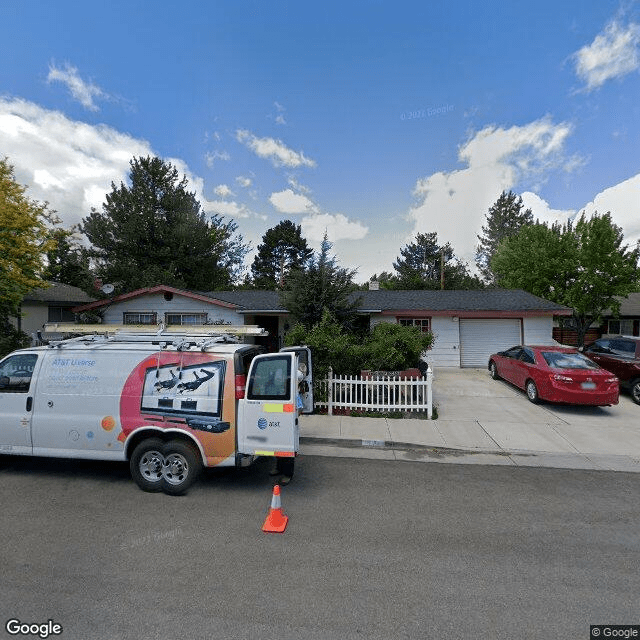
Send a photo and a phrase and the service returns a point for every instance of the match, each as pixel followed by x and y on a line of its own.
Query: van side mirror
pixel 4 382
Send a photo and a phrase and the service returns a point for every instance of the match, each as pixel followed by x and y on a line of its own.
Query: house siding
pixel 179 304
pixel 34 316
pixel 445 351
pixel 538 330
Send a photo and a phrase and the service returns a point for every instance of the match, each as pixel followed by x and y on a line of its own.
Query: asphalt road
pixel 374 549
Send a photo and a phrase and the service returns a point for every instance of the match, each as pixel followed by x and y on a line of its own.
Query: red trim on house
pixel 151 290
pixel 428 313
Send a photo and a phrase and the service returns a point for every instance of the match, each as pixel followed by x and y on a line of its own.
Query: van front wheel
pixel 182 466
pixel 146 464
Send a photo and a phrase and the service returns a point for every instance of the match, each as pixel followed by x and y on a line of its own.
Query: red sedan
pixel 556 374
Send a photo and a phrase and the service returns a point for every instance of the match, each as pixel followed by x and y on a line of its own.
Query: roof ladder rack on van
pixel 180 342
pixel 156 332
pixel 83 339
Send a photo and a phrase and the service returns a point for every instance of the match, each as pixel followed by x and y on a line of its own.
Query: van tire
pixel 181 468
pixel 146 464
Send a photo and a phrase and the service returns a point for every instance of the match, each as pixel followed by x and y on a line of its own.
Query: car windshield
pixel 559 360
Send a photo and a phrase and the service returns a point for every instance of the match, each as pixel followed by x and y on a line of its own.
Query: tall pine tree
pixel 153 231
pixel 423 263
pixel 504 219
pixel 283 249
pixel 323 285
pixel 68 262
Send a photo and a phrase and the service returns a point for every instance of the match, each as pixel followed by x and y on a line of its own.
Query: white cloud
pixel 612 54
pixel 292 182
pixel 227 208
pixel 623 202
pixel 279 118
pixel 274 150
pixel 84 92
pixel 454 204
pixel 243 181
pixel 289 202
pixel 542 211
pixel 211 157
pixel 68 163
pixel 71 164
pixel 223 191
pixel 337 226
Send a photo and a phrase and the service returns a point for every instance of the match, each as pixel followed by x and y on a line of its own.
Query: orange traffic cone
pixel 276 521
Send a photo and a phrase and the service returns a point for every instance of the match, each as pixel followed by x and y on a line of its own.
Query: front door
pixel 16 402
pixel 267 422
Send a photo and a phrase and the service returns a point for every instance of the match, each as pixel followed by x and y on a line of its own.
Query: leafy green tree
pixel 24 242
pixel 505 218
pixel 421 264
pixel 153 231
pixel 582 266
pixel 68 261
pixel 322 285
pixel 283 248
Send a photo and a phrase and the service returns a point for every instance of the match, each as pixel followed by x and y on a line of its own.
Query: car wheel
pixel 182 466
pixel 532 391
pixel 493 370
pixel 146 464
pixel 635 390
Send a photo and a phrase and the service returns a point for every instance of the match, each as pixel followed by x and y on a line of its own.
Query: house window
pixel 185 318
pixel 620 327
pixel 129 317
pixel 60 314
pixel 424 324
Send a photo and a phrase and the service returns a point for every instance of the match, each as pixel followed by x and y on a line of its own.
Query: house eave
pixel 413 313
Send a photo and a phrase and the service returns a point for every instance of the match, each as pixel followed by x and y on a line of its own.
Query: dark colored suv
pixel 621 356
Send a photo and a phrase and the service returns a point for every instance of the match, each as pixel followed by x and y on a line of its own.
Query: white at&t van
pixel 169 403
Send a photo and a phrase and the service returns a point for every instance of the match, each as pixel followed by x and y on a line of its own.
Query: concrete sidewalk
pixel 483 421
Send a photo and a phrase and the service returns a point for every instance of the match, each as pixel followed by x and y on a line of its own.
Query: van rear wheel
pixel 146 464
pixel 181 467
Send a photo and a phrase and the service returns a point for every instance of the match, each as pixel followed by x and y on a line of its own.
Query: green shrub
pixel 394 347
pixel 387 347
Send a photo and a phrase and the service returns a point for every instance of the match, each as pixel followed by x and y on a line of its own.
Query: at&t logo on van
pixel 262 423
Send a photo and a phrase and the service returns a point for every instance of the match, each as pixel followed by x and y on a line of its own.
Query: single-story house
pixel 627 322
pixel 468 325
pixel 51 304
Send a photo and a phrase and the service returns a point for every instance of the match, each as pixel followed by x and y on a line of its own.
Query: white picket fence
pixel 380 394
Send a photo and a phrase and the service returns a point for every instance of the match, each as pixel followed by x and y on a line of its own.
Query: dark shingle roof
pixel 457 300
pixel 385 300
pixel 58 292
pixel 250 300
pixel 629 306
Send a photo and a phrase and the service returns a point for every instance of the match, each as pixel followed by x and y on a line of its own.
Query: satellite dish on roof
pixel 107 288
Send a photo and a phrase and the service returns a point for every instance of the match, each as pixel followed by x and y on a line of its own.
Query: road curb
pixel 362 443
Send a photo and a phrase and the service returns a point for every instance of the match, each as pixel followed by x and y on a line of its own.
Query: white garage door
pixel 480 338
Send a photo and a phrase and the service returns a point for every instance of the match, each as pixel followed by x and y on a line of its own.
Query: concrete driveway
pixel 477 412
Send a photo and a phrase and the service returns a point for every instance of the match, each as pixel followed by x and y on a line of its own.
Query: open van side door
pixel 305 383
pixel 267 417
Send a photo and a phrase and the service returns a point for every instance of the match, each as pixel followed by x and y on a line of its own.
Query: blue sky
pixel 372 120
